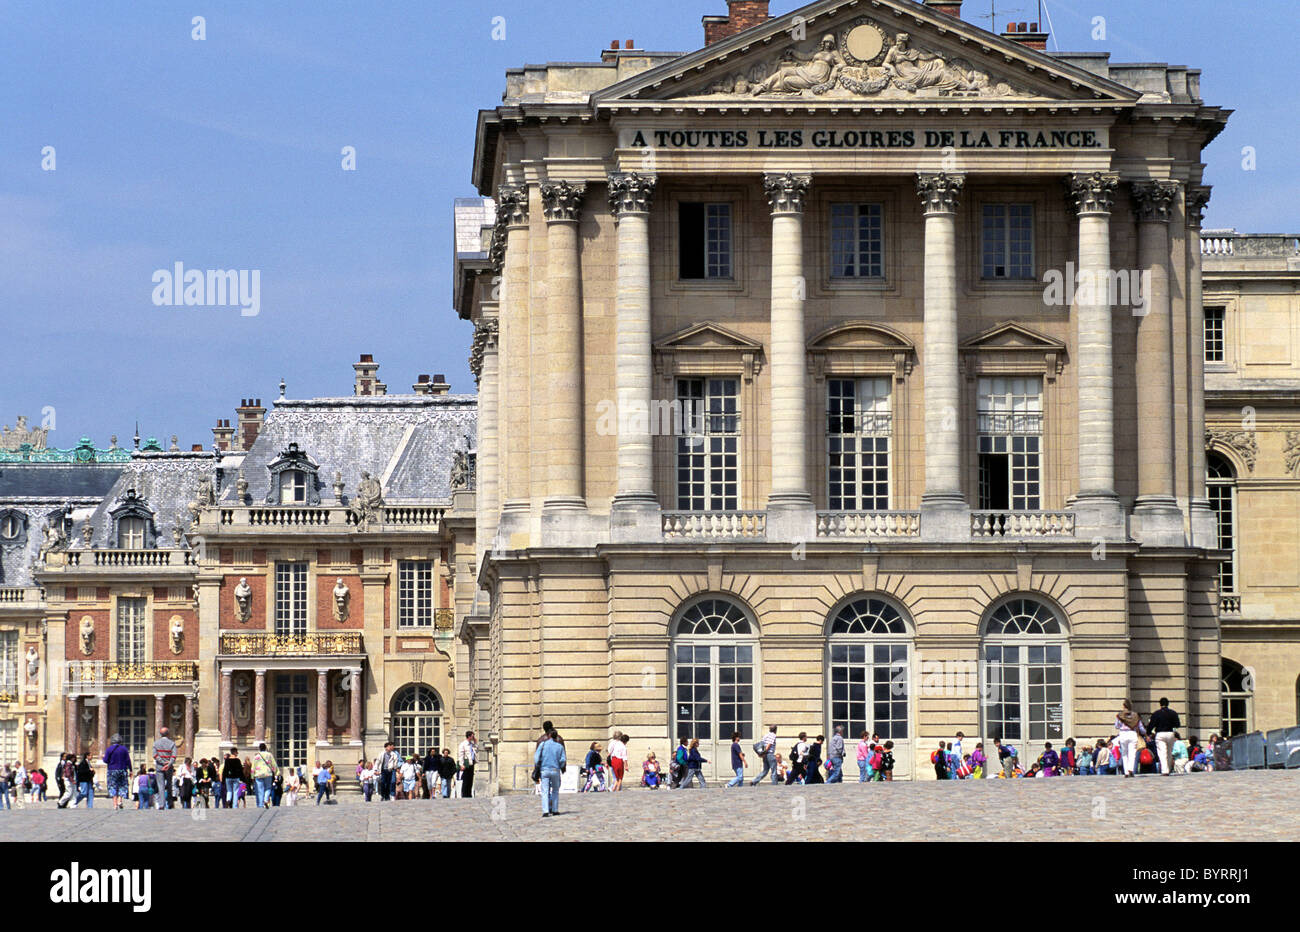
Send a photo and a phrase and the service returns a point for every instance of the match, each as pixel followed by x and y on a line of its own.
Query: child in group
pixel 1068 758
pixel 886 766
pixel 650 772
pixel 952 760
pixel 978 762
pixel 1050 760
pixel 865 770
pixel 143 789
pixel 965 769
pixel 782 770
pixel 594 769
pixel 939 758
pixel 1180 754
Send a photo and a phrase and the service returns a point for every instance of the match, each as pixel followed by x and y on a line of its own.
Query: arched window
pixel 868 663
pixel 1022 679
pixel 713 651
pixel 1221 486
pixel 417 720
pixel 1237 697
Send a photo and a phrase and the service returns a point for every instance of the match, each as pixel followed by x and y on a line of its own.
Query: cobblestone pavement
pixel 1254 806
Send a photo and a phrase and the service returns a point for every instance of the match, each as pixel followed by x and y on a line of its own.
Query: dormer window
pixel 12 527
pixel 293 476
pixel 293 487
pixel 130 534
pixel 133 525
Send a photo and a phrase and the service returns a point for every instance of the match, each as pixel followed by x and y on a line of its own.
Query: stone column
pixel 635 504
pixel 945 512
pixel 563 436
pixel 1096 504
pixel 189 724
pixel 71 735
pixel 159 712
pixel 259 707
pixel 1204 529
pixel 226 712
pixel 354 720
pixel 795 516
pixel 514 315
pixel 1157 520
pixel 483 362
pixel 101 734
pixel 322 707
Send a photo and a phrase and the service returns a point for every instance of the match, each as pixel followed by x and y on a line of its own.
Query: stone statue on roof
pixel 369 499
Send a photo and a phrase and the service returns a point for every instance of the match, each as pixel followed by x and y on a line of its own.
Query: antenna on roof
pixel 136 438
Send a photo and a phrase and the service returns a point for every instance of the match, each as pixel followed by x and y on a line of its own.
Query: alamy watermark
pixel 178 286
pixel 1118 287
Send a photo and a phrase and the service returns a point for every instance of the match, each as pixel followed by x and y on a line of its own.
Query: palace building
pixel 785 419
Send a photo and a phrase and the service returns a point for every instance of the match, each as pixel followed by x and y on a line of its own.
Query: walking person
pixel 431 762
pixel 117 758
pixel 322 776
pixel 264 769
pixel 447 770
pixel 389 761
pixel 737 761
pixel 618 759
pixel 550 760
pixel 164 758
pixel 232 775
pixel 798 760
pixel 768 754
pixel 813 764
pixel 5 776
pixel 835 756
pixel 66 777
pixel 85 783
pixel 1164 723
pixel 468 755
pixel 144 787
pixel 694 764
pixel 1128 725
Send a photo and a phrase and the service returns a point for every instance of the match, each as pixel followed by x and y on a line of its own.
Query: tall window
pixel 857 444
pixel 1022 680
pixel 291 698
pixel 708 452
pixel 1010 444
pixel 1221 487
pixel 1007 238
pixel 130 533
pixel 704 240
pixel 713 673
pixel 133 726
pixel 130 631
pixel 293 487
pixel 415 593
pixel 1236 698
pixel 291 598
pixel 1214 334
pixel 417 721
pixel 857 241
pixel 9 751
pixel 868 674
pixel 9 667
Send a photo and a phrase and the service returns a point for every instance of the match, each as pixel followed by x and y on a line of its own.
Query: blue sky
pixel 226 152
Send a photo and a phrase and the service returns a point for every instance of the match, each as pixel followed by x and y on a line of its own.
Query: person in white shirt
pixel 1128 725
pixel 618 759
pixel 290 796
pixel 408 779
pixel 468 755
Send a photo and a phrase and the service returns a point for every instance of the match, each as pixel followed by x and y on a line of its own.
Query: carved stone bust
pixel 243 599
pixel 87 635
pixel 33 661
pixel 342 596
pixel 176 632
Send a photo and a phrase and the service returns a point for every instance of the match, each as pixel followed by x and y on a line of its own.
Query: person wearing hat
pixel 408 779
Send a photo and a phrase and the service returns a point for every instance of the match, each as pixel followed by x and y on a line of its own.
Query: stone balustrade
pixel 10 595
pixel 996 525
pixel 868 524
pixel 332 518
pixel 715 525
pixel 1229 605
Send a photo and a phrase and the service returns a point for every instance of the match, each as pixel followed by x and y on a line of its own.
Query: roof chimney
pixel 250 416
pixel 951 7
pixel 223 435
pixel 439 385
pixel 611 53
pixel 741 14
pixel 1028 35
pixel 367 377
pixel 422 386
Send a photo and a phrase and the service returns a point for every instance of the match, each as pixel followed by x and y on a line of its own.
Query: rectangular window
pixel 1007 238
pixel 857 443
pixel 293 487
pixel 130 533
pixel 9 667
pixel 1221 503
pixel 869 689
pixel 415 593
pixel 708 451
pixel 704 240
pixel 857 241
pixel 1214 340
pixel 291 719
pixel 1010 419
pixel 130 631
pixel 133 726
pixel 9 742
pixel 291 598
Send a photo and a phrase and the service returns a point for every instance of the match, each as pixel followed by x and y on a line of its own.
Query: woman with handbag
pixel 1128 725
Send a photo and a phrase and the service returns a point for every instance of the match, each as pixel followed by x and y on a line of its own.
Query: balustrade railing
pixel 868 524
pixel 714 525
pixel 1001 524
pixel 107 673
pixel 265 644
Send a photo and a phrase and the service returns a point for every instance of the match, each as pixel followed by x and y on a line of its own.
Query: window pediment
pixel 292 460
pixel 1012 349
pixel 707 348
pixel 133 521
pixel 860 347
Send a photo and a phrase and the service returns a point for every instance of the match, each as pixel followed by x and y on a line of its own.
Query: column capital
pixel 512 205
pixel 786 191
pixel 1152 199
pixel 485 341
pixel 1198 198
pixel 1092 192
pixel 630 192
pixel 939 191
pixel 562 201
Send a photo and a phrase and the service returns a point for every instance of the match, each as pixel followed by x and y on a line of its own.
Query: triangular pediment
pixel 707 336
pixel 835 52
pixel 1012 336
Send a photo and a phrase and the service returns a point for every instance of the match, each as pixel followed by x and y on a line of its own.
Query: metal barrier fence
pixel 1258 750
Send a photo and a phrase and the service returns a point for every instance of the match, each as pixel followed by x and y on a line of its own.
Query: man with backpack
pixel 765 748
pixel 677 770
pixel 1007 756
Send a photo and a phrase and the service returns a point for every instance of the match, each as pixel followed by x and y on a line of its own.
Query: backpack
pixel 1145 757
pixel 758 747
pixel 681 755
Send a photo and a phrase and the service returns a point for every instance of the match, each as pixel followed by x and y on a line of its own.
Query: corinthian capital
pixel 630 192
pixel 1152 199
pixel 562 201
pixel 939 191
pixel 1197 199
pixel 786 191
pixel 1093 192
pixel 512 205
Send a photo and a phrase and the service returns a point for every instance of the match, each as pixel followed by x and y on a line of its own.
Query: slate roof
pixel 408 442
pixel 166 481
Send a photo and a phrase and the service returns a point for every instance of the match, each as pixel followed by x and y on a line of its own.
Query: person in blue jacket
pixel 549 756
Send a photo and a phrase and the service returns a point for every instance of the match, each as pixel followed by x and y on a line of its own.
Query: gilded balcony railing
pixel 263 644
pixel 108 673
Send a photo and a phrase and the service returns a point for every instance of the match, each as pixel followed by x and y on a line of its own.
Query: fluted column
pixel 786 194
pixel 483 363
pixel 101 732
pixel 259 707
pixel 943 501
pixel 354 719
pixel 71 726
pixel 322 707
pixel 159 712
pixel 1093 195
pixel 1204 530
pixel 1158 521
pixel 226 718
pixel 630 196
pixel 189 724
pixel 562 203
pixel 514 315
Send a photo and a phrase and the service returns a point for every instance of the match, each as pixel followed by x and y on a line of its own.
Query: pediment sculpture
pixel 862 60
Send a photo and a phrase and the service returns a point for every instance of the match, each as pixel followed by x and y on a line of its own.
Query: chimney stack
pixel 367 377
pixel 250 415
pixel 741 14
pixel 951 7
pixel 422 385
pixel 223 434
pixel 611 53
pixel 1028 35
pixel 439 385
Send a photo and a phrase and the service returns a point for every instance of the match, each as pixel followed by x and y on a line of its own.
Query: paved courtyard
pixel 1255 806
